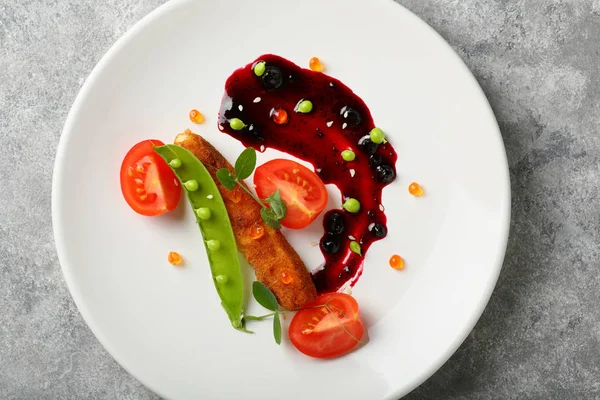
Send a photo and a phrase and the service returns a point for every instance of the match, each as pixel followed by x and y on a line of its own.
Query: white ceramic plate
pixel 165 325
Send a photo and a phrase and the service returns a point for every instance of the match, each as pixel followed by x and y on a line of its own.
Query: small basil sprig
pixel 244 165
pixel 266 298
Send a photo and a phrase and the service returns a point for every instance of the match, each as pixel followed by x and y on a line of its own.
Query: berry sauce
pixel 339 121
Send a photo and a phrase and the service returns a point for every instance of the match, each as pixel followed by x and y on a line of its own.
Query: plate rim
pixel 67 132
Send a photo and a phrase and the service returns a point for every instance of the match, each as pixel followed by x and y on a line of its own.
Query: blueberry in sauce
pixel 375 160
pixel 334 223
pixel 330 244
pixel 385 173
pixel 379 230
pixel 367 145
pixel 272 79
pixel 351 116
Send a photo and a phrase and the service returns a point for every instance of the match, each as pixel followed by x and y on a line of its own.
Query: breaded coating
pixel 272 257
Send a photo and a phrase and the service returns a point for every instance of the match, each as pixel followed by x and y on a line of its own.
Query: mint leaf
pixel 245 163
pixel 226 178
pixel 270 218
pixel 277 328
pixel 277 205
pixel 264 296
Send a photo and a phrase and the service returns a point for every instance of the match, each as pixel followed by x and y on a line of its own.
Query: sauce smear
pixel 339 120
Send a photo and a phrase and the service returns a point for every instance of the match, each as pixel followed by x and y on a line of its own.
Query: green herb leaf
pixel 277 328
pixel 264 296
pixel 226 178
pixel 277 205
pixel 245 163
pixel 270 218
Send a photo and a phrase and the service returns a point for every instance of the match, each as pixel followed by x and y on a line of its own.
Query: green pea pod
pixel 216 230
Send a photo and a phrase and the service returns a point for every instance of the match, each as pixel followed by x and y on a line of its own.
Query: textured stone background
pixel 538 62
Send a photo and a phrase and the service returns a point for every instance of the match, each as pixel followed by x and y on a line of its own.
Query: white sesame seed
pixel 262 147
pixel 331 84
pixel 371 226
pixel 344 125
pixel 351 237
pixel 352 172
pixel 329 124
pixel 257 100
pixel 210 197
pixel 346 114
pixel 319 170
pixel 381 207
pixel 241 107
pixel 221 127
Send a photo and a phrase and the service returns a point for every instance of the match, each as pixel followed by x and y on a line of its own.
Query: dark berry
pixel 351 116
pixel 334 223
pixel 375 160
pixel 272 78
pixel 379 230
pixel 385 173
pixel 330 244
pixel 367 145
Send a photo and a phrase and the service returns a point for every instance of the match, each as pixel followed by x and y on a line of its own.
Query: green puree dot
pixel 377 136
pixel 203 213
pixel 259 68
pixel 175 163
pixel 352 206
pixel 236 124
pixel 191 185
pixel 304 107
pixel 348 155
pixel 213 245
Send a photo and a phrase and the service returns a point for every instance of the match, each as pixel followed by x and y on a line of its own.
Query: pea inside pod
pixel 223 259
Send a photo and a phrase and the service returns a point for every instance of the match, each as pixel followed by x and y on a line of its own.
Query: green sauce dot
pixel 355 247
pixel 348 155
pixel 236 124
pixel 175 163
pixel 213 245
pixel 352 206
pixel 222 279
pixel 191 185
pixel 259 68
pixel 203 213
pixel 377 136
pixel 305 106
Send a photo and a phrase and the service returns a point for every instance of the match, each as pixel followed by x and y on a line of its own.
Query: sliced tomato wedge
pixel 301 189
pixel 328 327
pixel 147 182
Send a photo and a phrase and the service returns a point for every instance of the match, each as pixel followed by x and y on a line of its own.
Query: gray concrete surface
pixel 538 62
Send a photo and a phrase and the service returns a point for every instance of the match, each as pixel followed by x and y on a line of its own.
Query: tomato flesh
pixel 301 190
pixel 147 182
pixel 328 331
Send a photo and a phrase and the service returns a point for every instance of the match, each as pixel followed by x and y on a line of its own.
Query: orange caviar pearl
pixel 396 262
pixel 174 258
pixel 286 278
pixel 315 64
pixel 415 189
pixel 257 231
pixel 279 116
pixel 236 196
pixel 196 117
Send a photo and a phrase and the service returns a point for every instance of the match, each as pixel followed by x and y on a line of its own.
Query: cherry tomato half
pixel 328 331
pixel 148 184
pixel 301 189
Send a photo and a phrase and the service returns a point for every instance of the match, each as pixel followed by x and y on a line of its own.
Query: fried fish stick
pixel 276 263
